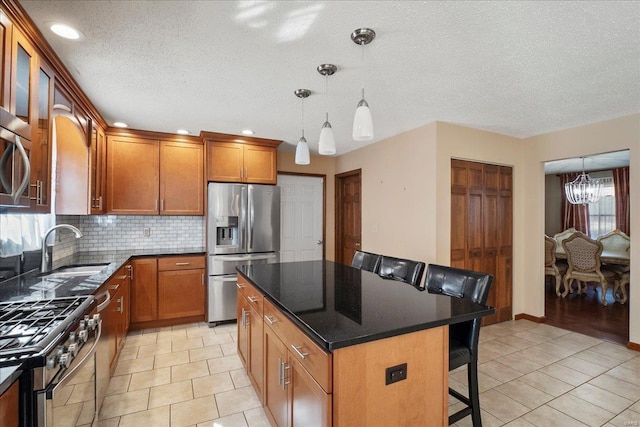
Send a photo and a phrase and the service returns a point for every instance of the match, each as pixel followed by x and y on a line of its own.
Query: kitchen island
pixel 328 344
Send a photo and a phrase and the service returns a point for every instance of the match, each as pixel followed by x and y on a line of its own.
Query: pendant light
pixel 362 121
pixel 583 189
pixel 327 143
pixel 302 149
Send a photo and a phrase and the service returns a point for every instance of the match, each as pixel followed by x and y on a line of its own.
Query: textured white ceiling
pixel 603 161
pixel 516 68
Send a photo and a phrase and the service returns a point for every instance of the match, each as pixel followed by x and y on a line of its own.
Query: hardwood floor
pixel 585 314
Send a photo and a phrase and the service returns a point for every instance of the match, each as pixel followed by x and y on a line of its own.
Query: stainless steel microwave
pixel 15 150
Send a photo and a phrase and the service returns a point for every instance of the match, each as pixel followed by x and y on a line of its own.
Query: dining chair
pixel 464 336
pixel 620 287
pixel 403 270
pixel 616 242
pixel 366 261
pixel 551 267
pixel 583 254
pixel 559 237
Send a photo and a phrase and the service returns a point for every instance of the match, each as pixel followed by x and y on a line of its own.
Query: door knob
pixel 320 242
pixel 357 245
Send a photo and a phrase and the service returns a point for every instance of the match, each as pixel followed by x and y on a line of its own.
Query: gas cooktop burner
pixel 29 327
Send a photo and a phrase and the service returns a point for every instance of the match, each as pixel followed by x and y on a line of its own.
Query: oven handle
pixel 105 303
pixel 69 374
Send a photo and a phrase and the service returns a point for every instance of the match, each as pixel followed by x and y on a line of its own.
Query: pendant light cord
pixel 362 64
pixel 303 117
pixel 326 94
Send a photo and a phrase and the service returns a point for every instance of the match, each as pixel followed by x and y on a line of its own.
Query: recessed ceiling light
pixel 183 131
pixel 120 125
pixel 65 31
pixel 248 132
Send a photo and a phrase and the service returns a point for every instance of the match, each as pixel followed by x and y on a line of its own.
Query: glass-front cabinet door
pixel 41 143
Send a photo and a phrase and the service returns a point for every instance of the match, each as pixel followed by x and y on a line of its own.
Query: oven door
pixel 70 401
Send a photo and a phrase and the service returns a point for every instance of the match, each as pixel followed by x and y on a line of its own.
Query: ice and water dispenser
pixel 227 232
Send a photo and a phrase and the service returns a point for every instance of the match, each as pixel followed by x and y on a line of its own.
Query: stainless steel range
pixel 54 341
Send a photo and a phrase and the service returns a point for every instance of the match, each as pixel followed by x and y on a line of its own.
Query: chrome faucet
pixel 44 265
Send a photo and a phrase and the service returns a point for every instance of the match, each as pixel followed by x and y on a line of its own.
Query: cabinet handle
pixel 114 287
pixel 100 203
pixel 162 205
pixel 156 204
pixel 239 286
pixel 203 283
pixel 182 263
pixel 282 367
pixel 121 302
pixel 244 318
pixel 270 319
pixel 297 350
pixel 130 267
pixel 253 299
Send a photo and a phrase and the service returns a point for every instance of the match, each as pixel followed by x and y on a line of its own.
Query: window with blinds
pixel 602 214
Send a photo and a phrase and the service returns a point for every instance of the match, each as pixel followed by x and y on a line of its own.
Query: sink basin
pixel 77 270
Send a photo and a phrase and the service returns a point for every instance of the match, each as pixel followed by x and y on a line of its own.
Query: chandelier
pixel 583 189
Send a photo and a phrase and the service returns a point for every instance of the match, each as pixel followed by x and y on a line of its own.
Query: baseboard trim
pixel 529 317
pixel 633 346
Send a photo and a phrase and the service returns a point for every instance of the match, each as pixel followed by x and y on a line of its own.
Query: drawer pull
pixel 297 348
pixel 253 299
pixel 282 367
pixel 270 319
pixel 183 263
pixel 239 286
pixel 114 287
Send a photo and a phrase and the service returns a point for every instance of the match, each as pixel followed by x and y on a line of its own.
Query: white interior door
pixel 300 218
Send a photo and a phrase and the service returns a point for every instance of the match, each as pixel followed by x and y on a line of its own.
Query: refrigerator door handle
pixel 242 220
pixel 250 218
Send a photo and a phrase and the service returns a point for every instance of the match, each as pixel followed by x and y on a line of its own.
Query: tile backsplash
pixel 121 232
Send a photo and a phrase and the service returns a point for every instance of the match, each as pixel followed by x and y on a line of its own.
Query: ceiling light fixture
pixel 583 189
pixel 362 121
pixel 182 132
pixel 327 143
pixel 248 132
pixel 302 149
pixel 120 125
pixel 65 31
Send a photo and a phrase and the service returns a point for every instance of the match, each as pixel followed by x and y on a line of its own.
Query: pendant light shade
pixel 583 189
pixel 362 121
pixel 327 142
pixel 302 149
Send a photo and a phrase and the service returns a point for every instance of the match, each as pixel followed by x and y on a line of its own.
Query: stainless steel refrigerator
pixel 243 227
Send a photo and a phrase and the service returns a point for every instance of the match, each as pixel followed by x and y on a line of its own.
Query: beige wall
pixel 320 165
pixel 398 193
pixel 406 193
pixel 612 135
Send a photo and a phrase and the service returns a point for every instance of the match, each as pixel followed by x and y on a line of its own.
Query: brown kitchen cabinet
pixel 115 316
pixel 151 177
pixel 97 169
pixel 181 287
pixel 167 290
pixel 297 374
pixel 251 326
pixel 144 290
pixel 231 158
pixel 24 74
pixel 6 30
pixel 9 406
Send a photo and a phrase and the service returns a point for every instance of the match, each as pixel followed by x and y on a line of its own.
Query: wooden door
pixel 144 290
pixel 310 404
pixel 243 329
pixel 348 215
pixel 276 376
pixel 481 227
pixel 98 169
pixel 256 352
pixel 259 164
pixel 181 178
pixel 180 293
pixel 113 326
pixel 41 143
pixel 225 161
pixel 6 29
pixel 132 176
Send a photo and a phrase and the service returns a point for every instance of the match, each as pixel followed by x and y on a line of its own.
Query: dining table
pixel 606 257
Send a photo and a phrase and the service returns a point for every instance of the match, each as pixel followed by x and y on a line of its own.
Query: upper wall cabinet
pixel 231 158
pixel 23 77
pixel 6 29
pixel 151 177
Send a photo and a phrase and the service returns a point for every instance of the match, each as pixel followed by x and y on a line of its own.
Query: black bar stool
pixel 366 261
pixel 403 270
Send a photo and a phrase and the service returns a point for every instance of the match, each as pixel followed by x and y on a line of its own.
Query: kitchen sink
pixel 76 270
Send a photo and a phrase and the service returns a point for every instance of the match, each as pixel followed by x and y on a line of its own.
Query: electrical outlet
pixel 395 374
pixel 147 232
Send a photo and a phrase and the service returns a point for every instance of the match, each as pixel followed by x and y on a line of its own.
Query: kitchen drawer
pixel 252 295
pixel 315 360
pixel 181 262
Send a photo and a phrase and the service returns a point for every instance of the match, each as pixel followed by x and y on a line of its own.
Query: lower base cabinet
pixel 9 406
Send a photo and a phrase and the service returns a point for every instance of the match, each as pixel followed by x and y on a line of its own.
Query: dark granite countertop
pixel 339 306
pixel 31 285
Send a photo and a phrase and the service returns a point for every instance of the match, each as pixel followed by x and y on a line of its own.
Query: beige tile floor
pixel 530 375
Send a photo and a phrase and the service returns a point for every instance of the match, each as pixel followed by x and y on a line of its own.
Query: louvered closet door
pixel 481 227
